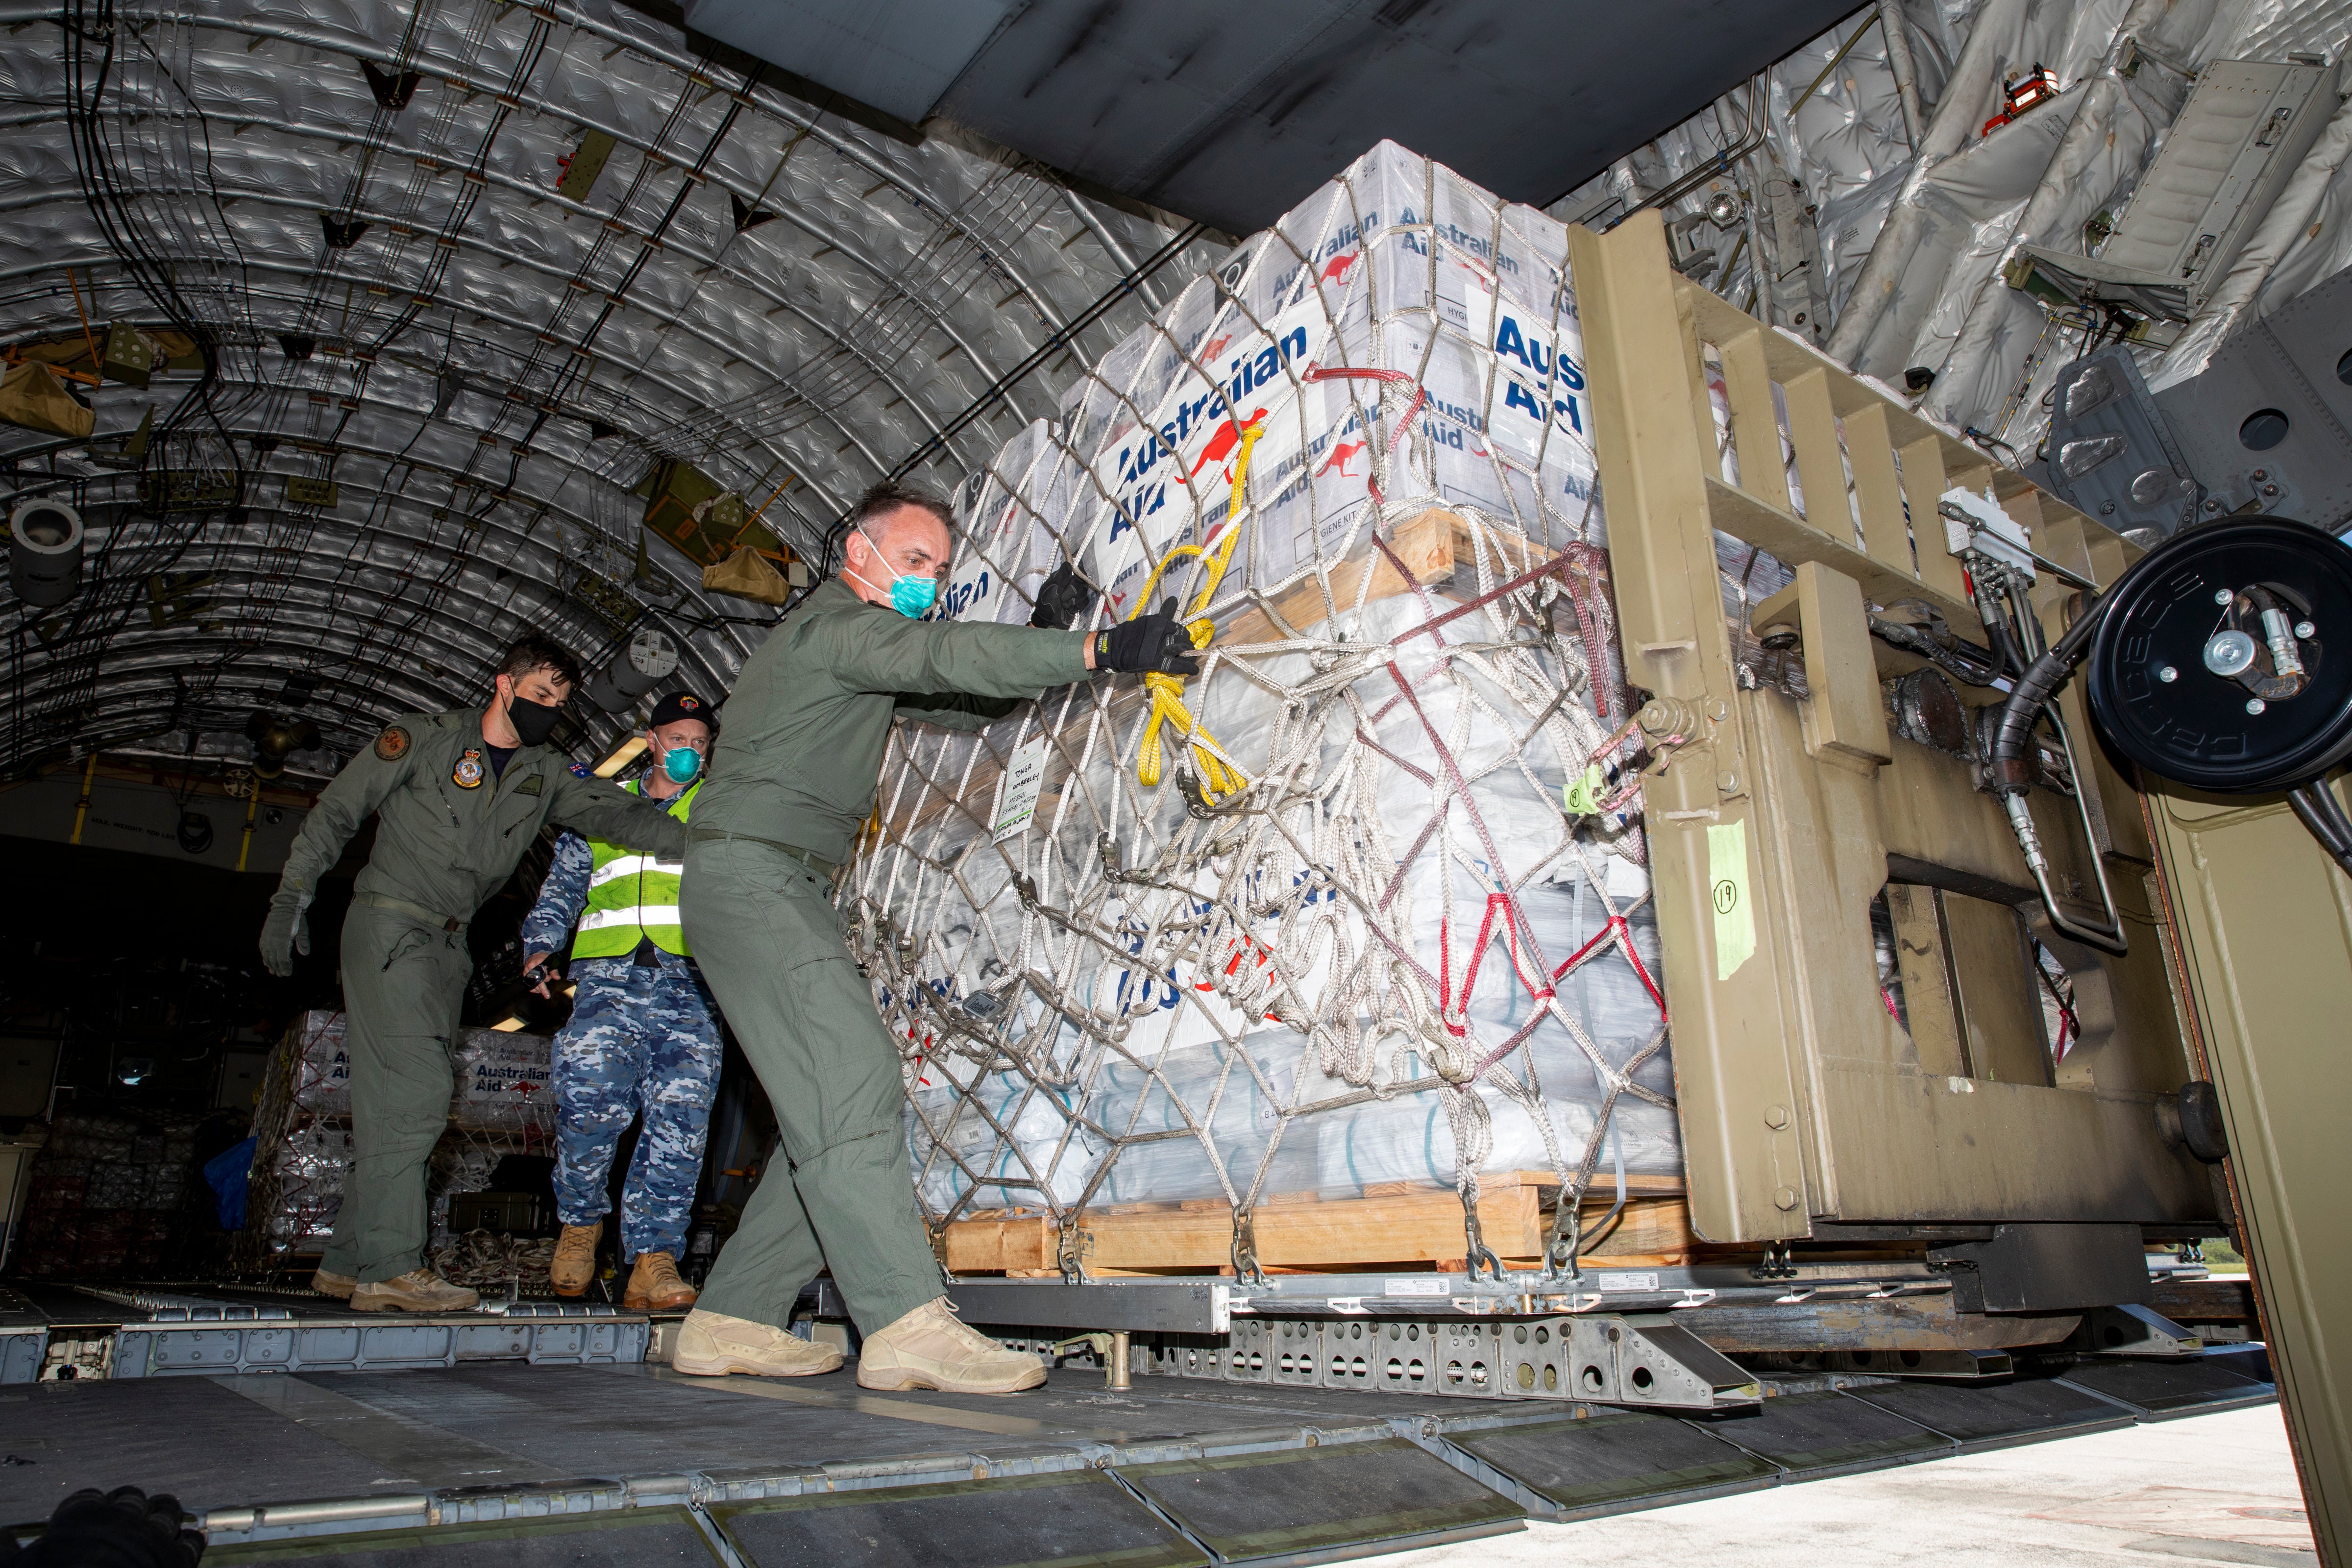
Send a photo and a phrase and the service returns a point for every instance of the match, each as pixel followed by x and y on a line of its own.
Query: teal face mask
pixel 681 764
pixel 910 596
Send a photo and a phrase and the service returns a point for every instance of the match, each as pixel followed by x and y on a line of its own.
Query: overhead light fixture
pixel 45 552
pixel 628 752
pixel 650 658
pixel 275 737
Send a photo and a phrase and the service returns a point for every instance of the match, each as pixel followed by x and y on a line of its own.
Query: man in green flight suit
pixel 458 798
pixel 793 776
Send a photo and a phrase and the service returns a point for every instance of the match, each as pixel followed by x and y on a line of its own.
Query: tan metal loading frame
pixel 1802 1101
pixel 2265 929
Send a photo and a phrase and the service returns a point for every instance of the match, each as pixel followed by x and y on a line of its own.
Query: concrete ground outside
pixel 2204 1490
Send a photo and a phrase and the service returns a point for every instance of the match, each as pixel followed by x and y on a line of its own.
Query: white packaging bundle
pixel 1312 920
pixel 501 1101
pixel 309 1169
pixel 499 1082
pixel 322 1065
pixel 502 1082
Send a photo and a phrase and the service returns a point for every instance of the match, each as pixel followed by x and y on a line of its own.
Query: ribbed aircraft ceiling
pixel 493 272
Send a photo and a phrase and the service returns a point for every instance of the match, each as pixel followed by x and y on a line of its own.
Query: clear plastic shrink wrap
pixel 1313 921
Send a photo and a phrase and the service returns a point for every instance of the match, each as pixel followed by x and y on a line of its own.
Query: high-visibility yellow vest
pixel 631 896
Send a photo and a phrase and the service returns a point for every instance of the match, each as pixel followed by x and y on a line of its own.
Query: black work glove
pixel 286 932
pixel 1159 643
pixel 1062 600
pixel 121 1528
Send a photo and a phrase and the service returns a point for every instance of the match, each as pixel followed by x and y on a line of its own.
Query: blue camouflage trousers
pixel 640 1041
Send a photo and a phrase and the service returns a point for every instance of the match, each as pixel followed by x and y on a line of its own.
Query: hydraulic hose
pixel 2034 691
pixel 2319 809
pixel 2043 672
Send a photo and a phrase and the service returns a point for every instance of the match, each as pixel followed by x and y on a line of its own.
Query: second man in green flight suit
pixel 458 798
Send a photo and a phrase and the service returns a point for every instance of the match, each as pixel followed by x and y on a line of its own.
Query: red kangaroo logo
pixel 1336 269
pixel 1341 455
pixel 1222 444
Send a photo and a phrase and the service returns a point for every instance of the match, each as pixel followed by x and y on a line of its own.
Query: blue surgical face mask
pixel 910 596
pixel 681 764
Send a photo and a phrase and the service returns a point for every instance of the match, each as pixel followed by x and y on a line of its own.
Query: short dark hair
pixel 531 651
pixel 889 496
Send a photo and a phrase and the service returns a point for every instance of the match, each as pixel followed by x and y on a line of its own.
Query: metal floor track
pixel 515 1465
pixel 50 1331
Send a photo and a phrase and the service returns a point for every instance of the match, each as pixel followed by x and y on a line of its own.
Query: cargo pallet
pixel 1957 1193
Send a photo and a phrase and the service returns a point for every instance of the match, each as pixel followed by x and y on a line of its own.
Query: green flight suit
pixel 797 764
pixel 448 834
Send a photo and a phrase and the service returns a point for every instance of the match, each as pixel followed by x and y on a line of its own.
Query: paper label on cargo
pixel 1727 889
pixel 1016 800
pixel 1432 1286
pixel 1629 1281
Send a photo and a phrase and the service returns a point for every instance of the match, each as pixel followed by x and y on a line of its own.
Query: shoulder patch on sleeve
pixel 393 744
pixel 579 770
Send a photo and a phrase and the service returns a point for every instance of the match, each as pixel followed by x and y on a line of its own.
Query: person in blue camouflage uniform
pixel 643 1039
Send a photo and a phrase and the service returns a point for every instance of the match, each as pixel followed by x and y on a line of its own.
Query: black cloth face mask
pixel 534 721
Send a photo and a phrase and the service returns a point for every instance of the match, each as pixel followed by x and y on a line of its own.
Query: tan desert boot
pixel 712 1344
pixel 339 1286
pixel 419 1290
pixel 575 1258
pixel 929 1348
pixel 655 1287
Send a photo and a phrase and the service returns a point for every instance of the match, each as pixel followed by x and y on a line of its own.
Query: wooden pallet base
pixel 1419 1228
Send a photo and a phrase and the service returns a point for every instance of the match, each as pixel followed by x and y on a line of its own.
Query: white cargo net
pixel 1313 920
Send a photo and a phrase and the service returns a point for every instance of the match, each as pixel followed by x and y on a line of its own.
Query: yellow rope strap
pixel 1219 777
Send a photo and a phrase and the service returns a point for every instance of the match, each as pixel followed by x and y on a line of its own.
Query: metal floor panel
pixel 1309 1504
pixel 1161 1411
pixel 611 1422
pixel 400 1463
pixel 1812 1435
pixel 1981 1415
pixel 1616 1461
pixel 2161 1390
pixel 206 1444
pixel 1079 1515
pixel 62 1304
pixel 642 1537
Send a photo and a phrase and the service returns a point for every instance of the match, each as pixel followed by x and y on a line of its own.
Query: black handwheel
pixel 2185 674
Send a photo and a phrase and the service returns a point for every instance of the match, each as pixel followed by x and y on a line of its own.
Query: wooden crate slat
pixel 1420 1226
